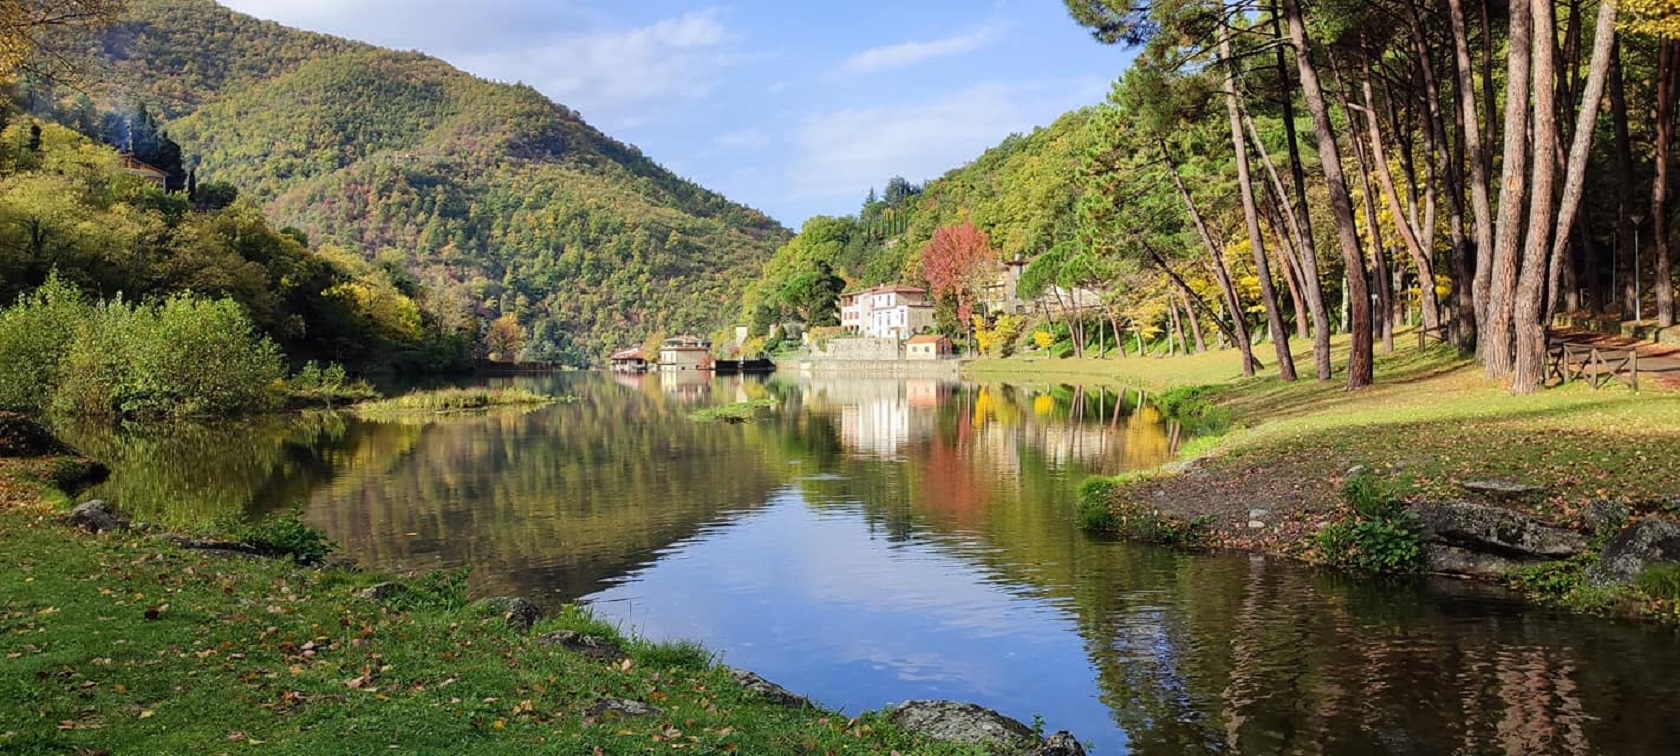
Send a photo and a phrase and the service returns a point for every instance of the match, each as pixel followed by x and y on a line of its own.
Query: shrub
pixel 35 333
pixel 1378 536
pixel 186 356
pixel 1102 510
pixel 1661 581
pixel 316 386
pixel 286 535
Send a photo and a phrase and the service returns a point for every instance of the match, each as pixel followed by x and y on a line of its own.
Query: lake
pixel 877 540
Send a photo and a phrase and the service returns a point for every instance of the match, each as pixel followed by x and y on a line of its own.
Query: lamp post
pixel 1638 313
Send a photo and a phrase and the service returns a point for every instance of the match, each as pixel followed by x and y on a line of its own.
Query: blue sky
pixel 795 108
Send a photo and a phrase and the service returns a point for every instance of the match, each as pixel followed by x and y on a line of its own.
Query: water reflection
pixel 881 539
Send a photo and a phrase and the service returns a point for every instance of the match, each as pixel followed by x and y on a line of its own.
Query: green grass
pixel 124 644
pixel 1431 418
pixel 739 412
pixel 456 400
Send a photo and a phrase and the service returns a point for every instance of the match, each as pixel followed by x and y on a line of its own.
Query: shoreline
pixel 1268 477
pixel 124 633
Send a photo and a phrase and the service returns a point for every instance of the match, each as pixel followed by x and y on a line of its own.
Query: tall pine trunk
pixel 1622 266
pixel 1409 234
pixel 1530 331
pixel 1668 60
pixel 1302 223
pixel 1221 273
pixel 1496 330
pixel 1251 214
pixel 1341 205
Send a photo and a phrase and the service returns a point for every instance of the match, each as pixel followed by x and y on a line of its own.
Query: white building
pixel 892 311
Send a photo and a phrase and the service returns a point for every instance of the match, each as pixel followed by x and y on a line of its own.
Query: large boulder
pixel 771 692
pixel 98 516
pixel 1634 548
pixel 1452 560
pixel 1501 532
pixel 963 723
pixel 519 614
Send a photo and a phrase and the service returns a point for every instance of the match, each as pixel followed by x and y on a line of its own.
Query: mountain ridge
pixel 507 198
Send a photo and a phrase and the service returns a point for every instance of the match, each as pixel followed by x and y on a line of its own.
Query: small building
pixel 134 166
pixel 686 352
pixel 629 360
pixel 928 346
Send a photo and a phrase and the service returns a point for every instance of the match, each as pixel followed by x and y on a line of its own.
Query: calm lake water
pixel 888 539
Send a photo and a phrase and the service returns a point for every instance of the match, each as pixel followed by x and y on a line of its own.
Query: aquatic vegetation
pixel 458 400
pixel 739 412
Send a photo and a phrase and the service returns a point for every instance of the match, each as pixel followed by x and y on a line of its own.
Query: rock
pixel 1492 530
pixel 963 723
pixel 588 645
pixel 1355 471
pixel 23 437
pixel 519 614
pixel 1256 524
pixel 1452 560
pixel 383 591
pixel 1258 514
pixel 98 516
pixel 1501 487
pixel 771 692
pixel 1605 516
pixel 230 548
pixel 1181 466
pixel 1634 548
pixel 613 708
pixel 522 614
pixel 1061 744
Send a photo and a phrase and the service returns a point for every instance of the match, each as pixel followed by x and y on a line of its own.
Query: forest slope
pixel 492 192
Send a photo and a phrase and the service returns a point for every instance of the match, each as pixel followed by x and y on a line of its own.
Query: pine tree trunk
pixel 1301 224
pixel 1195 323
pixel 1233 305
pixel 1496 329
pixel 1379 251
pixel 1622 265
pixel 1341 205
pixel 1409 235
pixel 1251 214
pixel 1663 265
pixel 1304 289
pixel 1575 172
pixel 1530 365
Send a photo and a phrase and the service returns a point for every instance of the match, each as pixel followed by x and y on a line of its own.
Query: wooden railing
pixel 1438 334
pixel 1596 365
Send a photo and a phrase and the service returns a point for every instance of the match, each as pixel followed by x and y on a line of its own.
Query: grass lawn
pixel 120 643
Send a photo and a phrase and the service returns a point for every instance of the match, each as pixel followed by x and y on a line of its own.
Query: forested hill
pixel 492 192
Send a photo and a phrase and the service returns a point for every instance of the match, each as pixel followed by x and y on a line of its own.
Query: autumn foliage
pixel 957 262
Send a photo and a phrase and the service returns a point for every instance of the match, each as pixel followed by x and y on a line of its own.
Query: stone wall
pixel 857 348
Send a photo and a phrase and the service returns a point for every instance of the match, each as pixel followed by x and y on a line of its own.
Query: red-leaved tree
pixel 959 261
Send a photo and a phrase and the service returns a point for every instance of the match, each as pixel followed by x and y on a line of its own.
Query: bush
pixel 1661 581
pixel 184 357
pixel 286 536
pixel 316 386
pixel 1378 536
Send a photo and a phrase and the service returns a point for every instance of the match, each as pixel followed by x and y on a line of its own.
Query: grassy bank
pixel 456 400
pixel 122 643
pixel 1431 423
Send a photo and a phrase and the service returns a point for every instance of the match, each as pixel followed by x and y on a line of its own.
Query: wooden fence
pixel 1596 365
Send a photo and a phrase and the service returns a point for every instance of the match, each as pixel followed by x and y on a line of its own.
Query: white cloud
pixel 886 58
pixel 742 140
pixel 607 70
pixel 562 47
pixel 848 151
